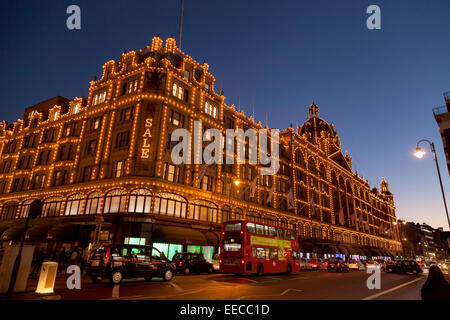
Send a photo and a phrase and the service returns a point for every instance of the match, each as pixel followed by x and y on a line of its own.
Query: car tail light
pixel 180 263
pixel 338 264
pixel 220 261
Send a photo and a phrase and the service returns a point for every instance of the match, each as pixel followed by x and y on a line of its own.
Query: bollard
pixel 47 278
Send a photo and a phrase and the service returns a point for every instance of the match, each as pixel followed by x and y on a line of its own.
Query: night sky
pixel 378 87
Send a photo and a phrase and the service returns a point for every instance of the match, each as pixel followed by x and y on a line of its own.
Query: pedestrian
pixel 84 258
pixel 436 287
pixel 74 257
pixel 39 258
pixel 62 260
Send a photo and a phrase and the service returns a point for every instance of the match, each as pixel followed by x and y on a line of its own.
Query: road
pixel 308 285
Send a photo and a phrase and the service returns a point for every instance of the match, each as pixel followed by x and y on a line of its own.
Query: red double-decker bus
pixel 248 247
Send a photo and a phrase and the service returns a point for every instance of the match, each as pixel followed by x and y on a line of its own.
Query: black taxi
pixel 116 262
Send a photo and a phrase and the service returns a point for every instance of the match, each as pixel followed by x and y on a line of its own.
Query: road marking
pixel 270 295
pixel 115 292
pixel 251 280
pixel 177 287
pixel 391 289
pixel 275 278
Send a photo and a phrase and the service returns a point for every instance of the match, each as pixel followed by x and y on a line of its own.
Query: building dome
pixel 315 127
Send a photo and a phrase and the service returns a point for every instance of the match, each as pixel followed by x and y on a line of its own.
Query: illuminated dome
pixel 315 127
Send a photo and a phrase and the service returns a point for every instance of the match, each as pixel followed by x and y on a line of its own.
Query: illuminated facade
pixel 108 156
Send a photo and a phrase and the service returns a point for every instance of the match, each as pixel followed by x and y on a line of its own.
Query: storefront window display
pixel 207 251
pixel 169 249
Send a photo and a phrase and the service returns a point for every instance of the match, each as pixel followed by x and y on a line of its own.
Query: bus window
pixel 280 233
pixel 295 255
pixel 251 227
pixel 272 232
pixel 259 229
pixel 232 245
pixel 233 227
pixel 273 254
pixel 260 253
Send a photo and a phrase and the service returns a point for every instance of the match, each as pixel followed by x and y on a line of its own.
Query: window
pixel 176 119
pixel 203 210
pixel 118 168
pixel 93 203
pixel 170 172
pixel 9 210
pixel 177 91
pixel 123 139
pixel 60 178
pixel 95 123
pixel 140 201
pixel 206 183
pixel 170 204
pixel 210 109
pixel 73 205
pixel 52 207
pixel 99 98
pixel 86 174
pixel 76 108
pixel 115 201
pixel 91 147
pixel 130 86
pixel 186 75
pixel 126 114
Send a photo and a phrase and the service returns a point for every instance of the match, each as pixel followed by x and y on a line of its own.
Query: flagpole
pixel 181 24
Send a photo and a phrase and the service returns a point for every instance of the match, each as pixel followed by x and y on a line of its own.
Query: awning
pixel 169 234
pixel 328 248
pixel 13 233
pixel 63 232
pixel 360 251
pixel 212 238
pixel 366 251
pixel 37 232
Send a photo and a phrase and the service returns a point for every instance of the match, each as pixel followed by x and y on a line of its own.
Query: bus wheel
pixel 260 269
pixel 289 269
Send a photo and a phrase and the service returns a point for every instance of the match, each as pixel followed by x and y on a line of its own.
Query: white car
pixel 354 265
pixel 305 265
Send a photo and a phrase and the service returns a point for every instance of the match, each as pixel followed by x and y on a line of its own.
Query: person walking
pixel 84 258
pixel 436 287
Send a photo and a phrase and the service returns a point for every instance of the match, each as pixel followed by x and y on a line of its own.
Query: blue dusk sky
pixel 378 87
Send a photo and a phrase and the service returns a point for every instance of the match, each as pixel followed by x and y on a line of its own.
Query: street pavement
pixel 307 285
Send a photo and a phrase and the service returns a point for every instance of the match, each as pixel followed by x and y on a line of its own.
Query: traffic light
pixel 35 208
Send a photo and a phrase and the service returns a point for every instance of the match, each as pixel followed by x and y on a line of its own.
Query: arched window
pixel 93 203
pixel 284 223
pixel 254 216
pixel 270 219
pixel 25 208
pixel 203 210
pixel 140 201
pixel 299 159
pixel 334 180
pixel 73 205
pixel 170 204
pixel 225 213
pixel 349 188
pixel 307 230
pixel 322 172
pixel 238 214
pixel 317 233
pixel 52 207
pixel 9 210
pixel 341 183
pixel 115 201
pixel 312 166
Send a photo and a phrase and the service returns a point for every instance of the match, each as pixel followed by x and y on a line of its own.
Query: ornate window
pixel 73 205
pixel 140 201
pixel 170 204
pixel 203 210
pixel 9 210
pixel 52 207
pixel 25 208
pixel 225 213
pixel 115 201
pixel 299 159
pixel 238 214
pixel 270 219
pixel 93 203
pixel 254 216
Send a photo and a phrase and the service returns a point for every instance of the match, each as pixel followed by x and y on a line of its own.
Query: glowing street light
pixel 419 154
pixel 236 183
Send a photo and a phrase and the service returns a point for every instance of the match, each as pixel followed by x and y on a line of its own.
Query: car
pixel 117 262
pixel 316 263
pixel 338 265
pixel 372 264
pixel 404 266
pixel 443 266
pixel 188 262
pixel 216 262
pixel 305 265
pixel 354 264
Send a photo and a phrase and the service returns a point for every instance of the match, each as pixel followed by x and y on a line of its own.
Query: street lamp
pixel 419 154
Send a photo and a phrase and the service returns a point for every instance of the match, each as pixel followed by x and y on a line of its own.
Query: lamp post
pixel 419 153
